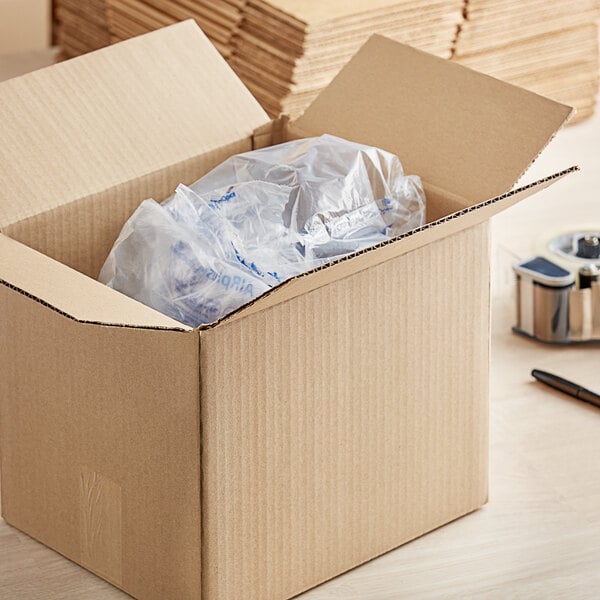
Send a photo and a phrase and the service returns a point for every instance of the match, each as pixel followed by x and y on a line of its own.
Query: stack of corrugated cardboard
pixel 547 46
pixel 287 51
pixel 82 27
pixel 219 19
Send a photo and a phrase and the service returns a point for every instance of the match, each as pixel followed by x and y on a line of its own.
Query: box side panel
pixel 346 421
pixel 99 434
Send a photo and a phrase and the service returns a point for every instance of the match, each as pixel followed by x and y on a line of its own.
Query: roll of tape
pixel 559 247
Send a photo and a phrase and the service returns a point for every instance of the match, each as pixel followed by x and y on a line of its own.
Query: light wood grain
pixel 539 536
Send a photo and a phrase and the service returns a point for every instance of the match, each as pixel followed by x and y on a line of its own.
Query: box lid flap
pixel 353 263
pixel 74 295
pixel 460 130
pixel 93 122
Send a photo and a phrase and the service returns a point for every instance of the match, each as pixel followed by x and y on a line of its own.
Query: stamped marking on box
pixel 100 521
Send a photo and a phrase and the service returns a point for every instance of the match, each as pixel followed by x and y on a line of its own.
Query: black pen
pixel 568 387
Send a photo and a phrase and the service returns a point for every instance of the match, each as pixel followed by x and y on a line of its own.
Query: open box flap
pixel 460 130
pixel 94 122
pixel 68 292
pixel 370 257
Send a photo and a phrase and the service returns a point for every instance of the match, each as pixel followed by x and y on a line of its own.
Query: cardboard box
pixel 24 25
pixel 334 418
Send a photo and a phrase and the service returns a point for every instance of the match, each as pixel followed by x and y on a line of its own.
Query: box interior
pixel 89 228
pixel 98 150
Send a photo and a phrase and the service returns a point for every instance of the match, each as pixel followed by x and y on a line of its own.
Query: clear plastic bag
pixel 258 219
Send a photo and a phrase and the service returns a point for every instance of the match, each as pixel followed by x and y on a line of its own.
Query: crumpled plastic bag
pixel 258 219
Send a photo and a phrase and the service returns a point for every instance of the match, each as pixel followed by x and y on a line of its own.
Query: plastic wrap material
pixel 258 219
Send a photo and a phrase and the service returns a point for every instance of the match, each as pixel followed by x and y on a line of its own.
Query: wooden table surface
pixel 539 536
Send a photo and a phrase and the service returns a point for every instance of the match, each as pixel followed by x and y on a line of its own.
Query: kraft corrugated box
pixel 331 420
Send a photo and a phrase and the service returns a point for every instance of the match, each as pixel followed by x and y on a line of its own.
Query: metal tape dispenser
pixel 558 293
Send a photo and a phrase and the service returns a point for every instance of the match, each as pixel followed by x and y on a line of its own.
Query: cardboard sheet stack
pixel 219 19
pixel 547 46
pixel 82 27
pixel 286 51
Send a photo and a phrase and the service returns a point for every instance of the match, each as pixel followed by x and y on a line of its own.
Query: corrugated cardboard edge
pixel 18 277
pixel 568 118
pixel 85 321
pixel 484 209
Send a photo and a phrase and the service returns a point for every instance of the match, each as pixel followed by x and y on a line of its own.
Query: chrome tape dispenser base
pixel 558 293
